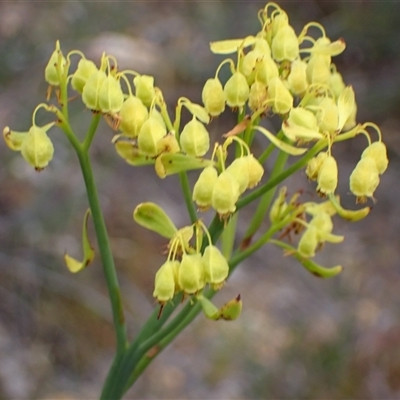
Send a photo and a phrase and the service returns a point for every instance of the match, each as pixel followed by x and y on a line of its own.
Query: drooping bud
pixel 213 97
pixel 285 45
pixel 328 115
pixel 111 96
pixel 53 71
pixel 37 148
pixel 280 97
pixel 377 150
pixel 248 64
pixel 90 93
pixel 318 69
pixel 168 144
pixel 314 166
pixel 297 78
pixel 336 83
pixel 239 171
pixel 216 268
pixel 191 273
pixel 255 171
pixel 164 282
pixel 236 90
pixel 225 194
pixel 308 242
pixel 14 139
pixel 203 188
pixel 144 85
pixel 194 139
pixel 231 310
pixel 328 176
pixel 345 104
pixel 323 222
pixel 150 133
pixel 364 179
pixel 266 70
pixel 132 116
pixel 84 70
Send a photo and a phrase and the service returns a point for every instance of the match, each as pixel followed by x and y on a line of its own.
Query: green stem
pixel 187 194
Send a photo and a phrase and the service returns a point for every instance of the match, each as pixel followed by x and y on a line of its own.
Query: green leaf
pixel 169 164
pixel 88 252
pixel 153 217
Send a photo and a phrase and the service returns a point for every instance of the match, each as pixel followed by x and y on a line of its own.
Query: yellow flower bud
pixel 248 64
pixel 280 95
pixel 308 242
pixel 84 70
pixel 318 69
pixel 168 144
pixel 51 72
pixel 323 222
pixel 132 116
pixel 14 139
pixel 111 96
pixel 285 45
pixel 266 70
pixel 297 79
pixel 239 171
pixel 191 273
pixel 225 194
pixel 150 133
pixel 254 169
pixel 90 93
pixel 164 283
pixel 144 85
pixel 37 148
pixel 328 115
pixel 314 166
pixel 328 176
pixel 236 90
pixel 336 83
pixel 213 97
pixel 194 139
pixel 377 150
pixel 216 268
pixel 364 179
pixel 231 310
pixel 203 188
pixel 301 117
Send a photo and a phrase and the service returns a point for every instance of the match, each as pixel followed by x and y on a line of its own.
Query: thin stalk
pixel 187 194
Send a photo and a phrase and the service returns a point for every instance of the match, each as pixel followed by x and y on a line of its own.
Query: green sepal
pixel 13 139
pixel 313 267
pixel 169 164
pixel 349 215
pixel 88 252
pixel 132 155
pixel 153 217
pixel 287 148
pixel 231 45
pixel 209 309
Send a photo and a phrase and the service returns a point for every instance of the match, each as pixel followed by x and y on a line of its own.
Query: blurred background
pixel 298 336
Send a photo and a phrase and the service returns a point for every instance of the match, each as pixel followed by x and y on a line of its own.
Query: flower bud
pixel 377 150
pixel 144 85
pixel 225 194
pixel 285 45
pixel 194 139
pixel 191 273
pixel 216 268
pixel 308 242
pixel 164 283
pixel 236 90
pixel 302 117
pixel 239 171
pixel 279 21
pixel 213 97
pixel 37 148
pixel 314 166
pixel 328 115
pixel 248 64
pixel 323 222
pixel 336 83
pixel 150 133
pixel 318 69
pixel 84 70
pixel 90 93
pixel 51 72
pixel 258 95
pixel 231 310
pixel 209 309
pixel 203 188
pixel 111 96
pixel 280 95
pixel 168 144
pixel 266 70
pixel 328 176
pixel 279 206
pixel 14 139
pixel 364 179
pixel 132 116
pixel 297 79
pixel 255 171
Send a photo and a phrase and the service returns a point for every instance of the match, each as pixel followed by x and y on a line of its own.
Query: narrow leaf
pixel 231 46
pixel 132 155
